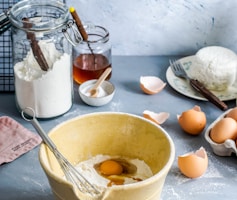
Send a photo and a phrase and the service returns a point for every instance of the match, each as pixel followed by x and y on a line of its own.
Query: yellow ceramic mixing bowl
pixel 115 134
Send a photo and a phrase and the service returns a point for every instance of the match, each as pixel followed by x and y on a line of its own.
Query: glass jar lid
pixel 43 15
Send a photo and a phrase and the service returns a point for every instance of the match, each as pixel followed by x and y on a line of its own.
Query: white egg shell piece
pixel 158 118
pixel 151 84
pixel 224 149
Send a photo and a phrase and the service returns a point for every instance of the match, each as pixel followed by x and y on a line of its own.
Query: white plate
pixel 182 86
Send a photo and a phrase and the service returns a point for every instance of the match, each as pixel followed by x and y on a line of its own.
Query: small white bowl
pixel 224 149
pixel 105 95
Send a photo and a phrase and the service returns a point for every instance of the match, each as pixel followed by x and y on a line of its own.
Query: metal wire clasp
pixel 71 33
pixel 4 21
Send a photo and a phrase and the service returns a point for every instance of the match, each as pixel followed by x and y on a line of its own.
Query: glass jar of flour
pixel 42 57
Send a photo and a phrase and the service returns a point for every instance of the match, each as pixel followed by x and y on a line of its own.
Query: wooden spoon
pixel 94 90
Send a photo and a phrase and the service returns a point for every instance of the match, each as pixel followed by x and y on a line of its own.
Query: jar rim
pixel 26 6
pixel 103 36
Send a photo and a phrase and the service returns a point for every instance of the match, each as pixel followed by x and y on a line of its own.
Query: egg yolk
pixel 110 167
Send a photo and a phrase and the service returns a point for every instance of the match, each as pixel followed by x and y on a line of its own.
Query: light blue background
pixel 163 27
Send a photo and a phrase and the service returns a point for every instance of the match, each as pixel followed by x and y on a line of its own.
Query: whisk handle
pixel 38 128
pixel 43 135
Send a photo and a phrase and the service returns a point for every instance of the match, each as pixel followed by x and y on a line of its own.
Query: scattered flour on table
pixel 186 188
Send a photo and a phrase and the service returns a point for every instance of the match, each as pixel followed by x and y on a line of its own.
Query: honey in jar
pixel 93 56
pixel 89 66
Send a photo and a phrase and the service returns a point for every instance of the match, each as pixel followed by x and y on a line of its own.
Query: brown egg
pixel 193 121
pixel 151 84
pixel 225 128
pixel 193 164
pixel 232 114
pixel 158 118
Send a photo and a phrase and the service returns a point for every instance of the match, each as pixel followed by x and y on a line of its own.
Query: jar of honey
pixel 93 56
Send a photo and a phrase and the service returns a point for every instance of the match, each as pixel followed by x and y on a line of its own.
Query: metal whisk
pixel 71 174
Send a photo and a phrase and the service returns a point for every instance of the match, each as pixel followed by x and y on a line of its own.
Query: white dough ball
pixel 216 67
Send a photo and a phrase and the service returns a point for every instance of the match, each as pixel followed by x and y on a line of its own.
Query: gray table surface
pixel 24 179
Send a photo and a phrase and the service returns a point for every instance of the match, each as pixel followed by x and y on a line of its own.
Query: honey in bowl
pixel 89 66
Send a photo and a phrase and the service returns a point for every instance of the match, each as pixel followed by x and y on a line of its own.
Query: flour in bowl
pixel 215 67
pixel 89 169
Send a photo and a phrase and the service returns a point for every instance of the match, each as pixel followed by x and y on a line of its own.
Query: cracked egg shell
pixel 151 84
pixel 158 118
pixel 193 164
pixel 192 121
